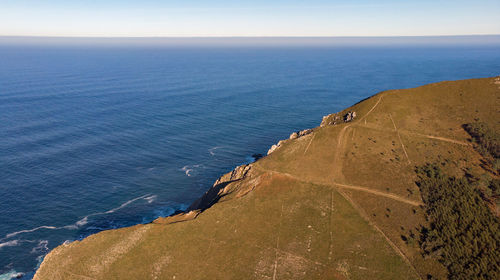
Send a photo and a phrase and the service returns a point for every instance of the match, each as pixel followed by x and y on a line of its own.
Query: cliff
pixel 335 202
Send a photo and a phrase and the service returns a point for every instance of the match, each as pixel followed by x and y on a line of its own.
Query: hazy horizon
pixel 321 41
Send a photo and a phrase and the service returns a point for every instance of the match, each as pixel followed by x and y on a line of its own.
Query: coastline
pixel 218 188
pixel 301 161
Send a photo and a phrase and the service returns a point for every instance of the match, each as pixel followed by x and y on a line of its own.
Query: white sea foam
pixel 42 247
pixel 150 198
pixel 212 150
pixel 83 221
pixel 9 243
pixel 188 169
pixel 27 230
pixel 121 206
pixel 11 274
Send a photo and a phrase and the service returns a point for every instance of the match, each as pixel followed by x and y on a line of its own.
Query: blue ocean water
pixel 96 138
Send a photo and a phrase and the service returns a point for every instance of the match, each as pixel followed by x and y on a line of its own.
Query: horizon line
pixel 255 41
pixel 227 37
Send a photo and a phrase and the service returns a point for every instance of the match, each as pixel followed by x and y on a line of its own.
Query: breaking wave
pixel 9 243
pixel 212 150
pixel 42 247
pixel 188 169
pixel 148 197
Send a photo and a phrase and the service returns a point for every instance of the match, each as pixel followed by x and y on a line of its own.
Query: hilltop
pixel 362 199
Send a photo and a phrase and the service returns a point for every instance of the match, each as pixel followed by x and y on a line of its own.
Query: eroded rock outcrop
pixel 349 116
pixel 219 188
pixel 275 147
pixel 496 81
pixel 301 133
pixel 331 119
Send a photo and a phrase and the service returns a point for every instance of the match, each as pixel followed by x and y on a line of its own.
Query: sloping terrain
pixel 339 202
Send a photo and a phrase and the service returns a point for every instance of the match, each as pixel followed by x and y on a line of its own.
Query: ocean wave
pixel 188 169
pixel 151 198
pixel 11 274
pixel 15 242
pixel 42 247
pixel 212 150
pixel 85 219
pixel 148 197
pixel 10 243
pixel 27 231
pixel 121 206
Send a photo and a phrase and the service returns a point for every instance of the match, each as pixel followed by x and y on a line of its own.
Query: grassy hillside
pixel 341 202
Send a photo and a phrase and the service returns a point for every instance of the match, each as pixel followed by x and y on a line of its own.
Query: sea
pixel 99 137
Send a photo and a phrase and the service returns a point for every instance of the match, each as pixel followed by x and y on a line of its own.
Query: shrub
pixel 487 140
pixel 463 234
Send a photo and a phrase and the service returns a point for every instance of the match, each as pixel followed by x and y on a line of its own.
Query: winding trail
pixel 345 186
pixel 337 159
pixel 373 108
pixel 339 175
pixel 339 184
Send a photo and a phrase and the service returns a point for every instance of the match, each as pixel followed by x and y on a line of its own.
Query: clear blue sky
pixel 113 18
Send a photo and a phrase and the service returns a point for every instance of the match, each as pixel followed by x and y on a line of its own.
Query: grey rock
pixel 349 116
pixel 305 132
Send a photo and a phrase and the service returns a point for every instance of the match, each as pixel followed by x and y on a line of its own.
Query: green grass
pixel 239 240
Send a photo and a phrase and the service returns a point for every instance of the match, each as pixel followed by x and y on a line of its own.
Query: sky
pixel 229 18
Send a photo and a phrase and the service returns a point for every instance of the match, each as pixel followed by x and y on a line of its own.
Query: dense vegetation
pixel 463 233
pixel 487 141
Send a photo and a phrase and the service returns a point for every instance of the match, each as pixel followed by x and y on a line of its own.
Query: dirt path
pixel 339 175
pixel 337 159
pixel 78 275
pixel 310 141
pixel 371 110
pixel 277 245
pixel 438 138
pixel 330 241
pixel 363 214
pixel 400 141
pixel 346 186
pixel 408 132
pixel 379 193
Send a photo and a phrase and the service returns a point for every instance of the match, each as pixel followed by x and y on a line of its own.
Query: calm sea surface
pixel 97 138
